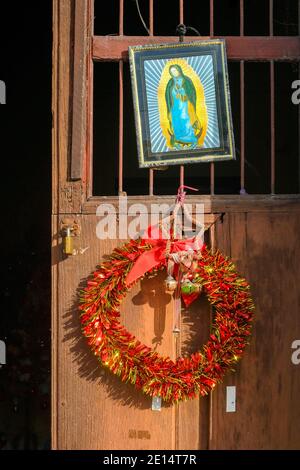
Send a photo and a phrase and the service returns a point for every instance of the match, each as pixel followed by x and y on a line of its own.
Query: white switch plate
pixel 230 399
pixel 156 404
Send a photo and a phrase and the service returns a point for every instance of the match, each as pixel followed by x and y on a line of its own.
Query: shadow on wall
pixel 195 331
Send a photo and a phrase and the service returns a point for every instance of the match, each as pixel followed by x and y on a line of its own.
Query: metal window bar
pixel 272 100
pixel 242 107
pixel 211 33
pixel 151 30
pixel 121 101
pixel 181 20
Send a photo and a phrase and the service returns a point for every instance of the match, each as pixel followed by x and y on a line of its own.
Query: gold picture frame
pixel 181 103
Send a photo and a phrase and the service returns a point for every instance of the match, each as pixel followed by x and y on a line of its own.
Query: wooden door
pixel 265 246
pixel 92 409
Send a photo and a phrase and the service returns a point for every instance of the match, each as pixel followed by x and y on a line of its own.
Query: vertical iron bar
pixel 151 29
pixel 212 179
pixel 151 181
pixel 181 16
pixel 121 18
pixel 271 29
pixel 120 185
pixel 242 105
pixel 181 20
pixel 272 98
pixel 121 31
pixel 272 78
pixel 181 175
pixel 242 110
pixel 211 18
pixel 211 33
pixel 241 17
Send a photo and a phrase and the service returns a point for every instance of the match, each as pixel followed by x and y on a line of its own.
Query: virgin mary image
pixel 183 113
pixel 185 128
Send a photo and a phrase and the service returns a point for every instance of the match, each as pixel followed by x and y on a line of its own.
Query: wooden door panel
pixel 92 409
pixel 192 426
pixel 266 250
pixel 98 410
pixel 95 409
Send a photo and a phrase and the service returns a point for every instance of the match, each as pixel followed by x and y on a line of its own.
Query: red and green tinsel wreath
pixel 140 365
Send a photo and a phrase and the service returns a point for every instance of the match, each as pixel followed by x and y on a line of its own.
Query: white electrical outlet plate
pixel 156 404
pixel 230 399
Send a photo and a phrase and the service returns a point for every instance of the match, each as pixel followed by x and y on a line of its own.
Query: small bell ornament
pixel 198 283
pixel 170 284
pixel 187 287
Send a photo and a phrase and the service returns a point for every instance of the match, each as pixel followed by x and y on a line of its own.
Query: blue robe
pixel 184 131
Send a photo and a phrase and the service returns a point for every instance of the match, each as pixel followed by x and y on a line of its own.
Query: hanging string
pixel 181 29
pixel 191 28
pixel 141 17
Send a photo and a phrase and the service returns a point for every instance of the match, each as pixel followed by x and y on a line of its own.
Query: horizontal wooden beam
pixel 211 204
pixel 263 48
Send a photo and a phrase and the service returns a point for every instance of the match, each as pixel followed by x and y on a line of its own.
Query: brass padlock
pixel 69 228
pixel 68 246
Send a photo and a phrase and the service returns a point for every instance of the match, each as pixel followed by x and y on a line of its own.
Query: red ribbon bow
pixel 157 254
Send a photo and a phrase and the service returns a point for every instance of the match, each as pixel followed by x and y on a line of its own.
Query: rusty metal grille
pixel 269 49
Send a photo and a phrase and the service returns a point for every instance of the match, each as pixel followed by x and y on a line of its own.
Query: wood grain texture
pixel 110 48
pixel 81 42
pixel 92 409
pixel 54 331
pixel 54 108
pixel 95 409
pixel 193 415
pixel 67 195
pixel 265 248
pixel 212 204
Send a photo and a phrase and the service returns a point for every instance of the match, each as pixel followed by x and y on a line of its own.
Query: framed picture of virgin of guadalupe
pixel 181 103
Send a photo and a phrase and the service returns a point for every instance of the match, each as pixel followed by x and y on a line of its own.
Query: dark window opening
pixel 287 130
pixel 257 103
pixel 105 128
pixel 166 17
pixel 106 21
pixel 256 18
pixel 257 124
pixel 226 17
pixel 286 18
